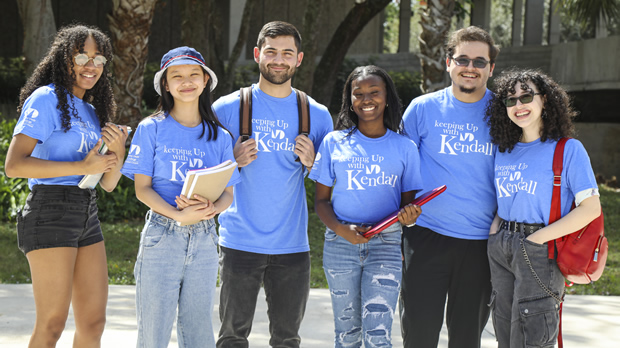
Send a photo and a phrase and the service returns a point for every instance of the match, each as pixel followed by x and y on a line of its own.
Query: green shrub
pixel 13 191
pixel 12 78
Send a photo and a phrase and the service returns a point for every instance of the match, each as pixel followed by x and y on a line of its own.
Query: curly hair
pixel 557 110
pixel 392 116
pixel 57 68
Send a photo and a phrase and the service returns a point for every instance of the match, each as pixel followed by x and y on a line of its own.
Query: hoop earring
pixel 351 108
pixel 386 105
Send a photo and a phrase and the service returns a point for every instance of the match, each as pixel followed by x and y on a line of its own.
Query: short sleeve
pixel 39 117
pixel 141 157
pixel 322 169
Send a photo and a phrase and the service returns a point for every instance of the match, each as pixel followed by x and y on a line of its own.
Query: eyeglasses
pixel 479 63
pixel 524 99
pixel 82 59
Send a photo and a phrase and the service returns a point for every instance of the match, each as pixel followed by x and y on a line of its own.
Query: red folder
pixel 392 218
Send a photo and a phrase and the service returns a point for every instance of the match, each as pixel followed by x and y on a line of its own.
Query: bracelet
pixel 411 225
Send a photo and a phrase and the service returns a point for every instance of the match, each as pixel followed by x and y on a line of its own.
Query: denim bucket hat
pixel 182 56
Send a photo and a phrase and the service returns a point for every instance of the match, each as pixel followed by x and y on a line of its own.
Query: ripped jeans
pixel 524 315
pixel 364 282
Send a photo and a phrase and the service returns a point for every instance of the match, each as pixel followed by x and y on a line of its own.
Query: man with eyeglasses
pixel 445 254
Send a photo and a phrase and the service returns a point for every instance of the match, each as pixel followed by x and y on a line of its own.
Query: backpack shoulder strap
pixel 556 198
pixel 245 113
pixel 303 110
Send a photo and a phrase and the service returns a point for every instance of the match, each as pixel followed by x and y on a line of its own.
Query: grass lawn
pixel 122 239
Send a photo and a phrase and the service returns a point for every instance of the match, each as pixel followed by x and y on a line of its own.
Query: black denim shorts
pixel 58 216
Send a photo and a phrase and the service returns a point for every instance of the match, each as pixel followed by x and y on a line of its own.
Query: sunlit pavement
pixel 588 321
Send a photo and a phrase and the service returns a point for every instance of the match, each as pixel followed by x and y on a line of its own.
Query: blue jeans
pixel 364 282
pixel 286 279
pixel 176 268
pixel 524 315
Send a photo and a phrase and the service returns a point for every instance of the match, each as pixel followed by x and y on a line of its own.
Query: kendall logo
pixel 467 137
pixel 278 134
pixel 32 113
pixel 134 150
pixel 373 169
pixel 515 176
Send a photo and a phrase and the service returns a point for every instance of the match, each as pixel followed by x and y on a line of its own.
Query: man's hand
pixel 305 150
pixel 245 152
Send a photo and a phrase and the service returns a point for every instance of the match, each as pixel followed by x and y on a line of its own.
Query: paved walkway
pixel 589 321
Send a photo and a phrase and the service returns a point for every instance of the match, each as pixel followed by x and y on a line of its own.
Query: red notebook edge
pixel 392 218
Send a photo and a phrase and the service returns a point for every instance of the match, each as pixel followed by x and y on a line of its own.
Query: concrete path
pixel 589 321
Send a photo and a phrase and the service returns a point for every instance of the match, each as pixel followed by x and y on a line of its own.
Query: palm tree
pixel 436 21
pixel 592 13
pixel 130 28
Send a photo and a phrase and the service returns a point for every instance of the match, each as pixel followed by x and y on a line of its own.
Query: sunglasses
pixel 524 99
pixel 82 59
pixel 479 63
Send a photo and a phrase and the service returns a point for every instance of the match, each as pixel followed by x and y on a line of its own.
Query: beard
pixel 276 78
pixel 467 90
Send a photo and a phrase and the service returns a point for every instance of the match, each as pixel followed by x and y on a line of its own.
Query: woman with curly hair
pixel 527 116
pixel 65 110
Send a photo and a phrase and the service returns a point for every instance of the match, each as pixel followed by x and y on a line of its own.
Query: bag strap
pixel 303 111
pixel 245 113
pixel 556 212
pixel 556 199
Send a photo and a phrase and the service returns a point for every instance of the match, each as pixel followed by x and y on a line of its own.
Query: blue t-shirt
pixel 40 119
pixel 269 214
pixel 368 175
pixel 524 180
pixel 165 150
pixel 456 151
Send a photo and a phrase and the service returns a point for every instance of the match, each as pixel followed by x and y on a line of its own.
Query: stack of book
pixel 209 183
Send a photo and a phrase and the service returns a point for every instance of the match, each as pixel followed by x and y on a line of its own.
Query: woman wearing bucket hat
pixel 177 265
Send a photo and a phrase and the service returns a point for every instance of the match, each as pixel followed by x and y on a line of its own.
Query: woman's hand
pixel 207 209
pixel 115 137
pixel 352 233
pixel 95 163
pixel 409 214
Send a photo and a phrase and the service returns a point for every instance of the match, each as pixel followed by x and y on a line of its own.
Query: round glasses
pixel 524 99
pixel 478 63
pixel 82 59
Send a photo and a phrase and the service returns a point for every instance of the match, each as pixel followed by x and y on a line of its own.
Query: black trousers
pixel 286 280
pixel 436 266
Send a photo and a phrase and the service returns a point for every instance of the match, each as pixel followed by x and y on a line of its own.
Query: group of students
pixel 492 150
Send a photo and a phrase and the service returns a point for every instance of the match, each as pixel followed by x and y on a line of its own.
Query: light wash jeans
pixel 176 268
pixel 364 282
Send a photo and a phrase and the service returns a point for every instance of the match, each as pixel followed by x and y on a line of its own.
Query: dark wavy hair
pixel 471 34
pixel 278 28
pixel 205 107
pixel 392 115
pixel 557 110
pixel 57 68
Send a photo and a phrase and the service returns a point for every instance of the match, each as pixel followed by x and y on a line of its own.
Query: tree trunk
pixel 436 21
pixel 130 27
pixel 195 15
pixel 39 30
pixel 336 50
pixel 244 32
pixel 304 77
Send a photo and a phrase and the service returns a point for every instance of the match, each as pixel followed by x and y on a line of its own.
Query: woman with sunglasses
pixel 65 110
pixel 527 117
